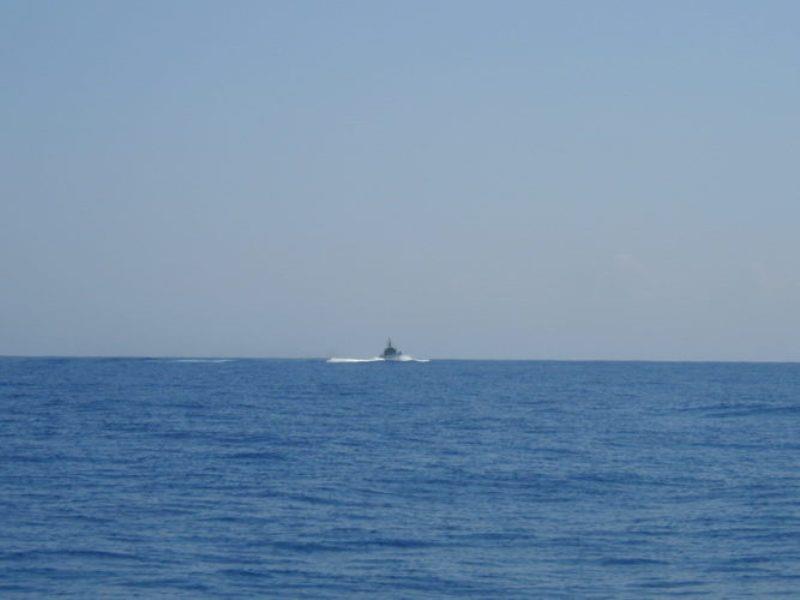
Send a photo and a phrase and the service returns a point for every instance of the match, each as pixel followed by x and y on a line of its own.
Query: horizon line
pixel 462 359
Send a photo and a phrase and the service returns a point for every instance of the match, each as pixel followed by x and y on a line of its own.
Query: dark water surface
pixel 301 479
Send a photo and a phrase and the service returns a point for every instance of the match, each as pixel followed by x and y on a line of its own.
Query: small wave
pixel 308 547
pixel 255 456
pixel 247 573
pixel 631 562
pixel 26 555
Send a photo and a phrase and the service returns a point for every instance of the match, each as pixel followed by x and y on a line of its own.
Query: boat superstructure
pixel 390 352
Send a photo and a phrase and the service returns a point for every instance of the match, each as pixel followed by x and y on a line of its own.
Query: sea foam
pixel 403 358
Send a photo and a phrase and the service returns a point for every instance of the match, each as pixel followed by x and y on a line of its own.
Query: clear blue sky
pixel 572 179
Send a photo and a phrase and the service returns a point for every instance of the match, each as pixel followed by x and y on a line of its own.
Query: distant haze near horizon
pixel 545 180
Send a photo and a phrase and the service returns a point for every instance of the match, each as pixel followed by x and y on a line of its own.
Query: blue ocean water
pixel 302 479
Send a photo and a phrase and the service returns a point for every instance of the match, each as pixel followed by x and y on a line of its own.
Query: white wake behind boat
pixel 389 354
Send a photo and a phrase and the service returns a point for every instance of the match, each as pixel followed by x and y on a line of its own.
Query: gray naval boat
pixel 390 352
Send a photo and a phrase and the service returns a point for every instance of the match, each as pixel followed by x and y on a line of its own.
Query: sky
pixel 531 180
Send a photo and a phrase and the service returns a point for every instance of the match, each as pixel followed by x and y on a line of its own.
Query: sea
pixel 166 478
